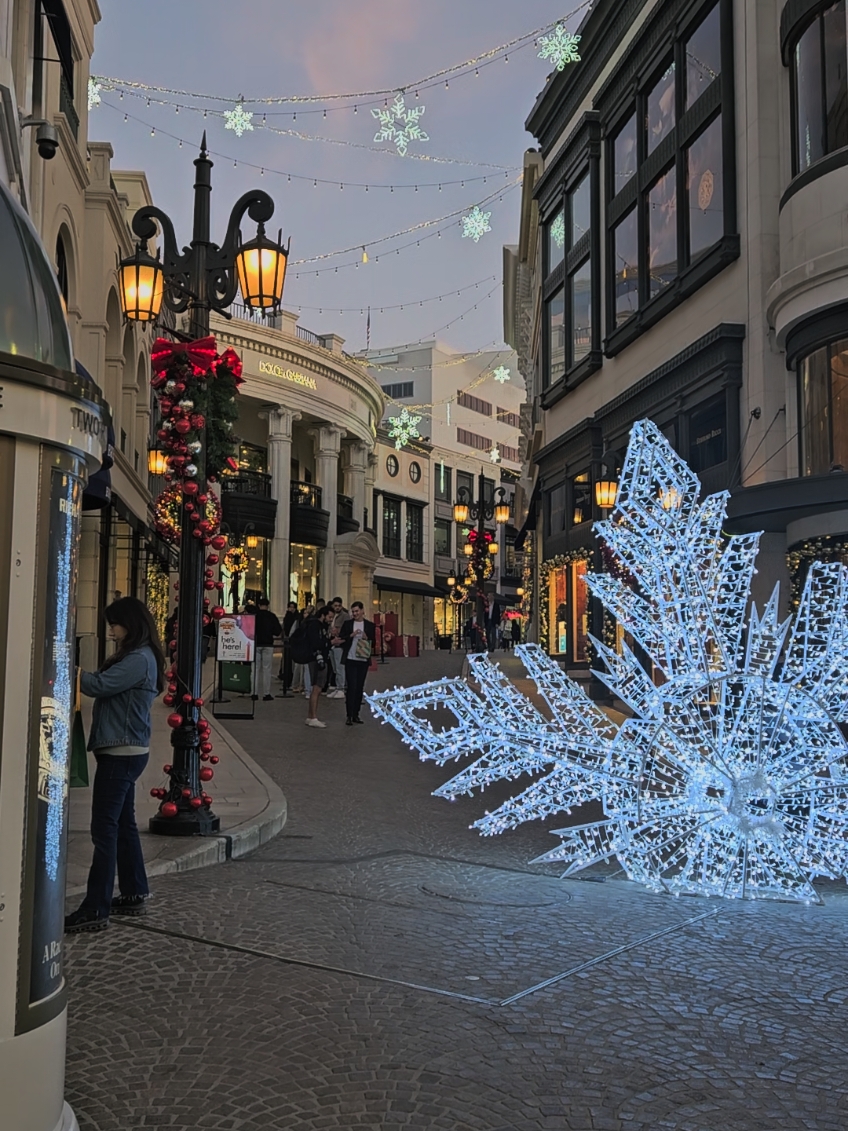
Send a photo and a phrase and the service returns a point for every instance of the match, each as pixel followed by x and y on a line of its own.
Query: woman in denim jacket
pixel 123 692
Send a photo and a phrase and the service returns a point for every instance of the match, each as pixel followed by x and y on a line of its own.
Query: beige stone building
pixel 684 256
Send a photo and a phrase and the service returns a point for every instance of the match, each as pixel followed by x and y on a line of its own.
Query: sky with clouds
pixel 266 48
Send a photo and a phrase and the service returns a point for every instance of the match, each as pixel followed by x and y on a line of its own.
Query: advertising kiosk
pixel 53 431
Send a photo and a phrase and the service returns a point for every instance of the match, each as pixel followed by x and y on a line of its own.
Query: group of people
pixel 326 650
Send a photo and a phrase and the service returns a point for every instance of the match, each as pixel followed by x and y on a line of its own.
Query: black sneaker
pixel 358 720
pixel 348 722
pixel 84 920
pixel 267 698
pixel 254 697
pixel 129 905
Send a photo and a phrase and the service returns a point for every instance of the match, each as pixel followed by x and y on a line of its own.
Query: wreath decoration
pixel 458 595
pixel 237 559
pixel 205 513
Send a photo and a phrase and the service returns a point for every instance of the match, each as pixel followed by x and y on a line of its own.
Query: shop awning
pixel 417 588
pixel 530 521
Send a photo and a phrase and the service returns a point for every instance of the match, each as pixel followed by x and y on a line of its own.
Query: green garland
pixel 545 570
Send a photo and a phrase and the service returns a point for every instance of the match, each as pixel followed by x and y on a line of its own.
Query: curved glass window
pixel 820 87
pixel 823 409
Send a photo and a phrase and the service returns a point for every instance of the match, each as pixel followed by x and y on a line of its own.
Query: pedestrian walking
pixel 267 627
pixel 516 631
pixel 506 632
pixel 290 619
pixel 123 691
pixel 340 615
pixel 358 636
pixel 311 648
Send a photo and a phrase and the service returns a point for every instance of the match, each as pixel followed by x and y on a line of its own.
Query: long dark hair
pixel 134 616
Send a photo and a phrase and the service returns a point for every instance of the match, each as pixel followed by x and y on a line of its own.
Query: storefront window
pixel 558 612
pixel 819 88
pixel 708 435
pixel 568 612
pixel 705 189
pixel 414 533
pixel 823 394
pixel 391 528
pixel 579 612
pixel 305 575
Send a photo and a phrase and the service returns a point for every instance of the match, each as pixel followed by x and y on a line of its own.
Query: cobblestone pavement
pixel 379 965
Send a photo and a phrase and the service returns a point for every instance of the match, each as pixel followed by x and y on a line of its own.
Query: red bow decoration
pixel 201 353
pixel 233 362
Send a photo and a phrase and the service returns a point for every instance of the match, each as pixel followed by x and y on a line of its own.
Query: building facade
pixel 684 257
pixel 470 419
pixel 299 503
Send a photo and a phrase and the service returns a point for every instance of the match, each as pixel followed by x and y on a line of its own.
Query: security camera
pixel 46 138
pixel 47 141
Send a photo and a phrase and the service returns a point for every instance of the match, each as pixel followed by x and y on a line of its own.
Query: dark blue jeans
pixel 114 832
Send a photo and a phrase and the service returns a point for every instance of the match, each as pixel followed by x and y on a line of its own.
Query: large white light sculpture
pixel 731 777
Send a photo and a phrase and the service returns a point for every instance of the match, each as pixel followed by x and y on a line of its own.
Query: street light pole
pixel 202 278
pixel 481 511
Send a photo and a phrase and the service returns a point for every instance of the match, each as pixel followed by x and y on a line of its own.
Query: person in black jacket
pixel 358 637
pixel 267 627
pixel 311 647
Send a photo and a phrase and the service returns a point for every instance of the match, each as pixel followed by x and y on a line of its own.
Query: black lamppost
pixel 481 511
pixel 202 278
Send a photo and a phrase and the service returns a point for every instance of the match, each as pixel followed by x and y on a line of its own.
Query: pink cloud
pixel 354 46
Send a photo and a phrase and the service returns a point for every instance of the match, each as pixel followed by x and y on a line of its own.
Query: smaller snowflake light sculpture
pixel 494 454
pixel 94 89
pixel 730 776
pixel 501 374
pixel 475 224
pixel 238 120
pixel 560 47
pixel 404 428
pixel 399 124
pixel 558 230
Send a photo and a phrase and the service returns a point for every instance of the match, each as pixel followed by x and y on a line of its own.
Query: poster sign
pixel 57 677
pixel 236 638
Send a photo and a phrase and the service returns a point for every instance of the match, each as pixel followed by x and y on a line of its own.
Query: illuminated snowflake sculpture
pixel 476 224
pixel 94 89
pixel 404 428
pixel 501 374
pixel 558 230
pixel 238 120
pixel 730 779
pixel 399 124
pixel 560 47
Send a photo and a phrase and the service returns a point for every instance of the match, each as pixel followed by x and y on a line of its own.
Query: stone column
pixel 280 423
pixel 370 480
pixel 355 469
pixel 327 445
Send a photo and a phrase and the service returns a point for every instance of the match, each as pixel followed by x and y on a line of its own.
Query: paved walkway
pixel 380 966
pixel 251 805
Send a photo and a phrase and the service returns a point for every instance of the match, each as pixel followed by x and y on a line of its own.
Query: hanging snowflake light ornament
pixel 560 47
pixel 475 224
pixel 94 89
pixel 403 428
pixel 399 124
pixel 238 120
pixel 558 230
pixel 501 374
pixel 730 779
pixel 494 454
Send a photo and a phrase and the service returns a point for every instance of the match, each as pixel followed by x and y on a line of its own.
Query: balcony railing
pixel 307 336
pixel 305 495
pixel 247 483
pixel 66 106
pixel 248 314
pixel 345 522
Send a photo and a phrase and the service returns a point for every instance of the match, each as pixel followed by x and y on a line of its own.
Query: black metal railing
pixel 247 483
pixel 308 336
pixel 66 106
pixel 260 318
pixel 305 495
pixel 344 506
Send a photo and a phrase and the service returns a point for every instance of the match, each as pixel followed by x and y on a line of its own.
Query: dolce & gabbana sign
pixel 272 370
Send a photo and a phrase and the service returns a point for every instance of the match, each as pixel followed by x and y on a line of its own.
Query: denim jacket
pixel 123 697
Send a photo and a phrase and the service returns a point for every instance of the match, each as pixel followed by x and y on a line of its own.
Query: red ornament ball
pixel 213 559
pixel 154 792
pixel 175 720
pixel 169 809
pixel 166 769
pixel 218 612
pixel 186 792
pixel 197 533
pixel 198 702
pixel 182 426
pixel 187 698
pixel 214 759
pixel 196 802
pixel 190 487
pixel 204 757
pixel 219 542
pixel 168 700
pixel 206 774
pixel 209 584
pixel 206 747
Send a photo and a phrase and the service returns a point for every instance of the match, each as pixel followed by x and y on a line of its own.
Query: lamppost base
pixel 195 822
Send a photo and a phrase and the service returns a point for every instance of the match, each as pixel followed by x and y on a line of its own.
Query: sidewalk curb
pixel 236 841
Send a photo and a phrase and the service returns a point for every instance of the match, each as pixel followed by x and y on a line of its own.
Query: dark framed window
pixel 823 409
pixel 671 222
pixel 391 528
pixel 819 86
pixel 392 465
pixel 507 416
pixel 571 244
pixel 442 533
pixel 474 403
pixel 473 440
pixel 400 389
pixel 708 434
pixel 415 471
pixel 581 499
pixel 442 490
pixel 465 481
pixel 556 509
pixel 414 532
